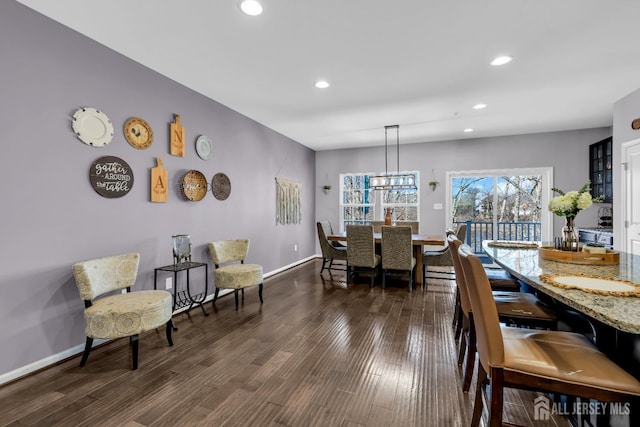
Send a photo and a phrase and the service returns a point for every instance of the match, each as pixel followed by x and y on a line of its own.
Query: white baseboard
pixel 78 349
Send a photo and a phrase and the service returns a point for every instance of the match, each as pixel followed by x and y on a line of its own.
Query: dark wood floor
pixel 317 353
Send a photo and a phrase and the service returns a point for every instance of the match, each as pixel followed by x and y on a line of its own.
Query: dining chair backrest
pixel 324 230
pixel 489 342
pixel 396 247
pixel 415 225
pixel 377 226
pixel 98 276
pixel 361 250
pixel 454 246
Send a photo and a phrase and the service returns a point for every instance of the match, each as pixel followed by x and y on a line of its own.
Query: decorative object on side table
pixel 569 204
pixel 181 248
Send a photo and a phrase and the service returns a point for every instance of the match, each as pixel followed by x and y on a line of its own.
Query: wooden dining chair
pixel 547 361
pixel 517 309
pixel 397 253
pixel 361 252
pixel 330 252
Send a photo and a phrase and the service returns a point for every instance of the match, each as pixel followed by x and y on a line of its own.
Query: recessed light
pixel 501 60
pixel 251 7
pixel 321 84
pixel 479 106
pixel 468 130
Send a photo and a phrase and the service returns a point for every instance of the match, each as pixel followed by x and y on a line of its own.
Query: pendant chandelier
pixel 397 180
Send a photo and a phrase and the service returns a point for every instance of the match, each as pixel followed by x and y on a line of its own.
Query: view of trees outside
pixel 499 207
pixel 359 203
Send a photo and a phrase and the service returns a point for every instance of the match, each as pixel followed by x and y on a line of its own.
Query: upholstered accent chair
pixel 230 270
pixel 330 253
pixel 361 251
pixel 441 257
pixel 397 253
pixel 545 361
pixel 119 315
pixel 517 309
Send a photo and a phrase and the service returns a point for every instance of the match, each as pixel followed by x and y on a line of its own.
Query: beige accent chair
pixel 518 309
pixel 228 273
pixel 397 253
pixel 119 314
pixel 545 361
pixel 330 252
pixel 361 251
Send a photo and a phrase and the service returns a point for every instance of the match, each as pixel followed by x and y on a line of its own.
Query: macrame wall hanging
pixel 288 202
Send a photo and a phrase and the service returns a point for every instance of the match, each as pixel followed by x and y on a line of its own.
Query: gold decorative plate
pixel 138 133
pixel 220 186
pixel 194 185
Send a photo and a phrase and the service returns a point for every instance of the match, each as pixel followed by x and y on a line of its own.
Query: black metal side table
pixel 184 298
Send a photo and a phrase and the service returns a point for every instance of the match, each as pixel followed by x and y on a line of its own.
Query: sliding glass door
pixel 500 204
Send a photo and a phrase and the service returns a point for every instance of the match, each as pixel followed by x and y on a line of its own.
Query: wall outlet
pixel 295 247
pixel 437 206
pixel 168 283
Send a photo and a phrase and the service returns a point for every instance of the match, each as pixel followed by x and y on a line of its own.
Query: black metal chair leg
pixel 235 293
pixel 215 296
pixel 411 281
pixel 169 327
pixel 260 292
pixel 134 350
pixel 87 350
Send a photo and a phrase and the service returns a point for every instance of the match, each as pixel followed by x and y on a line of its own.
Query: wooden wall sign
pixel 111 177
pixel 177 137
pixel 159 178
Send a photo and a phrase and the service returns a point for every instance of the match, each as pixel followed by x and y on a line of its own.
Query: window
pixel 360 204
pixel 500 204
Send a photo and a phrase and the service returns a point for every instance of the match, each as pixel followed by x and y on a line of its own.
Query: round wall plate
pixel 221 186
pixel 138 133
pixel 204 147
pixel 194 185
pixel 111 177
pixel 92 126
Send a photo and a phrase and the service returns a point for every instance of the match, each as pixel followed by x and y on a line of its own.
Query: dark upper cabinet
pixel 600 169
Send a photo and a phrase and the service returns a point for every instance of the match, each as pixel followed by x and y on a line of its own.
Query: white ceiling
pixel 421 64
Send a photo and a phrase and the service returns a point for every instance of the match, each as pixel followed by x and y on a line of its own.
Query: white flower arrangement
pixel 571 202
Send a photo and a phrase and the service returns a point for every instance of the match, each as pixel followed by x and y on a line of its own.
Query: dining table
pixel 417 241
pixel 613 314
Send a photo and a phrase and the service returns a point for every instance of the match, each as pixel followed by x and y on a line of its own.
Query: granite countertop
pixel 622 313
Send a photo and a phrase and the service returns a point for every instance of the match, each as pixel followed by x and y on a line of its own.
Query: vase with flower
pixel 568 204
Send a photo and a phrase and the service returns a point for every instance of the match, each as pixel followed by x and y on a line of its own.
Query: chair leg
pixel 384 278
pixel 471 358
pixel 463 345
pixel 496 397
pixel 324 262
pixel 169 328
pixel 411 281
pixel 260 292
pixel 215 296
pixel 373 277
pixel 235 293
pixel 87 350
pixel 477 405
pixel 133 339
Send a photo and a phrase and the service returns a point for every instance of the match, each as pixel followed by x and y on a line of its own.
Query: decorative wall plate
pixel 92 126
pixel 221 186
pixel 194 185
pixel 111 177
pixel 138 133
pixel 204 147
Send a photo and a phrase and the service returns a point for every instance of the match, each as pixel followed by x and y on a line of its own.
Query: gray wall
pixel 625 111
pixel 51 217
pixel 566 152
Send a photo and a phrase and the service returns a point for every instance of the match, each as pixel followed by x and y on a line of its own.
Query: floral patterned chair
pixel 228 273
pixel 119 315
